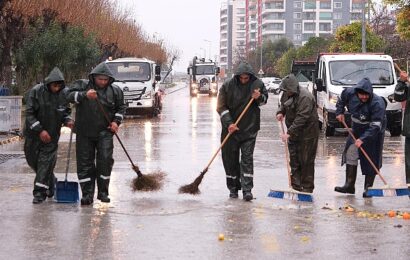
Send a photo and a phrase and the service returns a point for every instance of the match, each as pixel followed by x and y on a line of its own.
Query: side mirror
pixel 157 70
pixel 218 70
pixel 319 85
pixel 157 77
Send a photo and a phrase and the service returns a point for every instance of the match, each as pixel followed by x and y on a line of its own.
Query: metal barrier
pixel 10 113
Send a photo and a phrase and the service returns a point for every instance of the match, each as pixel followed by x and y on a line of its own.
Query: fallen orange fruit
pixel 221 237
pixel 391 213
pixel 406 215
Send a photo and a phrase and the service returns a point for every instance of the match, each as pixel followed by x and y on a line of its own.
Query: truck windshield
pixel 130 71
pixel 205 70
pixel 351 72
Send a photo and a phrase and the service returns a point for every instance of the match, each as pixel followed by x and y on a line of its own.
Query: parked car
pixel 271 83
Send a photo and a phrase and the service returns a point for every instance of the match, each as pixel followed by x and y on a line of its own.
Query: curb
pixel 10 140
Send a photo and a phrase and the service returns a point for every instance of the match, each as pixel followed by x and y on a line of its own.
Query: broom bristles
pixel 192 188
pixel 148 182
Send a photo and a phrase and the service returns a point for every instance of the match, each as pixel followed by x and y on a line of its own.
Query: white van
pixel 139 80
pixel 335 72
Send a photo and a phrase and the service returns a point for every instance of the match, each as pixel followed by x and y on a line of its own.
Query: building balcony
pixel 265 21
pixel 269 11
pixel 269 32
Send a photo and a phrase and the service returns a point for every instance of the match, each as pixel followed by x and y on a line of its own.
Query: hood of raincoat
pixel 55 76
pixel 101 69
pixel 364 86
pixel 245 68
pixel 289 84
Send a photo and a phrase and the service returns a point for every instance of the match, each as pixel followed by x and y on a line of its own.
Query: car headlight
pixel 214 85
pixel 333 97
pixel 146 95
pixel 391 98
pixel 194 85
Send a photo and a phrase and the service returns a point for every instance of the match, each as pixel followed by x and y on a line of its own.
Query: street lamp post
pixel 210 47
pixel 204 52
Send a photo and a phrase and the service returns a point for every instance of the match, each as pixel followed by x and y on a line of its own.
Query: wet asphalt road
pixel 167 225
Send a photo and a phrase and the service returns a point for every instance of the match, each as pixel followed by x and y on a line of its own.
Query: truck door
pixel 322 94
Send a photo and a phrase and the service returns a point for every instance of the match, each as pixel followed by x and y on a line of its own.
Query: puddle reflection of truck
pixel 139 79
pixel 203 77
pixel 335 72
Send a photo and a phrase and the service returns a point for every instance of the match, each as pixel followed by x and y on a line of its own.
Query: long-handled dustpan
pixel 290 194
pixel 67 191
pixel 385 191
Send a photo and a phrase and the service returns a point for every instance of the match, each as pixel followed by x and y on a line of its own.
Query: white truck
pixel 139 80
pixel 203 77
pixel 335 72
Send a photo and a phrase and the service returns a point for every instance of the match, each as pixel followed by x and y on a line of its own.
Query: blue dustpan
pixel 67 191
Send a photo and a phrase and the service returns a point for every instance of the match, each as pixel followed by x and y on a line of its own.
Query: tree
pixel 54 45
pixel 271 52
pixel 348 38
pixel 309 51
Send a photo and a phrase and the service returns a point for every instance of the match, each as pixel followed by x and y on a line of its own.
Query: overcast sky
pixel 184 24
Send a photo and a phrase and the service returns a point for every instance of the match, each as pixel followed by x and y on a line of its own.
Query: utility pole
pixel 210 47
pixel 364 27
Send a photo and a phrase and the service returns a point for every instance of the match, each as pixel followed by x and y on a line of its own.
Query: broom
pixel 192 188
pixel 143 182
pixel 385 191
pixel 290 194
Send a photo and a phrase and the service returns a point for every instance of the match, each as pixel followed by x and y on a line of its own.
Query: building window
pixel 241 19
pixel 274 5
pixel 274 16
pixel 310 27
pixel 297 26
pixel 325 16
pixel 297 4
pixel 310 4
pixel 338 5
pixel 357 6
pixel 326 5
pixel 337 16
pixel 297 15
pixel 325 27
pixel 277 26
pixel 356 16
pixel 297 37
pixel 309 16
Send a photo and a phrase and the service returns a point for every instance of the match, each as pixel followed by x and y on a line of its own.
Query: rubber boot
pixel 51 186
pixel 351 174
pixel 368 182
pixel 233 193
pixel 87 188
pixel 247 195
pixel 103 185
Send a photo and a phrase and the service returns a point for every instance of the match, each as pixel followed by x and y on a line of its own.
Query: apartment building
pixel 232 33
pixel 298 20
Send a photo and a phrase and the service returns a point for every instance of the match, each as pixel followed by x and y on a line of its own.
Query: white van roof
pixel 355 56
pixel 131 59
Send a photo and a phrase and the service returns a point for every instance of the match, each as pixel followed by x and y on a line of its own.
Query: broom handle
pixel 365 154
pixel 229 134
pixel 118 138
pixel 68 155
pixel 287 154
pixel 397 67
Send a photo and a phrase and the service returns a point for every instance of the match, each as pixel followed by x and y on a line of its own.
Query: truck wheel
pixel 329 131
pixel 395 131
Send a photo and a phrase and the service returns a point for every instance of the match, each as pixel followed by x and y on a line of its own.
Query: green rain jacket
pixel 299 110
pixel 402 93
pixel 233 98
pixel 46 110
pixel 90 120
